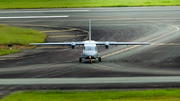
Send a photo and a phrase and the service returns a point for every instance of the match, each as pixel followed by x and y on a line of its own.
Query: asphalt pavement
pixel 157 25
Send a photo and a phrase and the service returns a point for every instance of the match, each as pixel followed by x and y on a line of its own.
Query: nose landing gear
pixel 99 59
pixel 80 59
pixel 90 61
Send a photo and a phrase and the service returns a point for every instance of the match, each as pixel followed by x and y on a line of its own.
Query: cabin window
pixel 90 48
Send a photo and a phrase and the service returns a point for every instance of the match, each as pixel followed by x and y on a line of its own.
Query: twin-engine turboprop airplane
pixel 90 50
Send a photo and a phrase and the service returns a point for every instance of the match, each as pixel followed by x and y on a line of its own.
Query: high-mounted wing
pixel 72 44
pixel 106 44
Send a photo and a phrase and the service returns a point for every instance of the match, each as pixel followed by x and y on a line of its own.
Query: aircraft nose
pixel 90 53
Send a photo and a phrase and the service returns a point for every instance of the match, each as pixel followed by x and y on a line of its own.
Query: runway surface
pixel 102 80
pixel 158 25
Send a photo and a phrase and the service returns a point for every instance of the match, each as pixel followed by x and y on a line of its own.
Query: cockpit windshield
pixel 90 48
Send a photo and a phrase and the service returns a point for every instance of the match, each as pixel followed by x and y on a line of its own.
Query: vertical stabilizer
pixel 89 30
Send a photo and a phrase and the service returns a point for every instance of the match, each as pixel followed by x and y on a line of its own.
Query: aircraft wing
pixel 62 43
pixel 121 43
pixel 50 44
pixel 72 44
pixel 105 43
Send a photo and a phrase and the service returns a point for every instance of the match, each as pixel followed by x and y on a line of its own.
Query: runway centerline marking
pixel 18 17
pixel 123 50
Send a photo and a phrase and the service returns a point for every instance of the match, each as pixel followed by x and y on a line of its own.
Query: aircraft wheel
pixel 99 59
pixel 90 61
pixel 80 59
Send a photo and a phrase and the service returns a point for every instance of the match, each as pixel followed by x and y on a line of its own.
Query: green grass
pixel 9 4
pixel 8 51
pixel 150 95
pixel 17 37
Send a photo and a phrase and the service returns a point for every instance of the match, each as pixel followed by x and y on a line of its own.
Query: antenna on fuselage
pixel 89 30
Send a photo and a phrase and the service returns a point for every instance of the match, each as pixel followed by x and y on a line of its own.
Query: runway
pixel 102 80
pixel 158 25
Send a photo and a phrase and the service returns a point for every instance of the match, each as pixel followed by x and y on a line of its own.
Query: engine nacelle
pixel 106 44
pixel 73 45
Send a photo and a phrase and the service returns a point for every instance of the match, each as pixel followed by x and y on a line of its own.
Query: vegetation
pixel 8 51
pixel 18 37
pixel 9 4
pixel 150 95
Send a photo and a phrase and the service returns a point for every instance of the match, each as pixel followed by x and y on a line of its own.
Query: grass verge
pixel 9 4
pixel 8 51
pixel 19 38
pixel 150 95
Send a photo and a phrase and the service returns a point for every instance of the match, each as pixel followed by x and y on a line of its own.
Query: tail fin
pixel 89 30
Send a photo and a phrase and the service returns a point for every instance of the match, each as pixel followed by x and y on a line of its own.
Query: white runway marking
pixel 164 79
pixel 44 11
pixel 34 17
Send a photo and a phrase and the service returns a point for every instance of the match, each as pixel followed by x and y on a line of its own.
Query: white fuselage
pixel 90 50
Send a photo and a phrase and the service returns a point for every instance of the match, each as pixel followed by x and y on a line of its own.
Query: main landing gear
pixel 90 61
pixel 99 59
pixel 80 59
